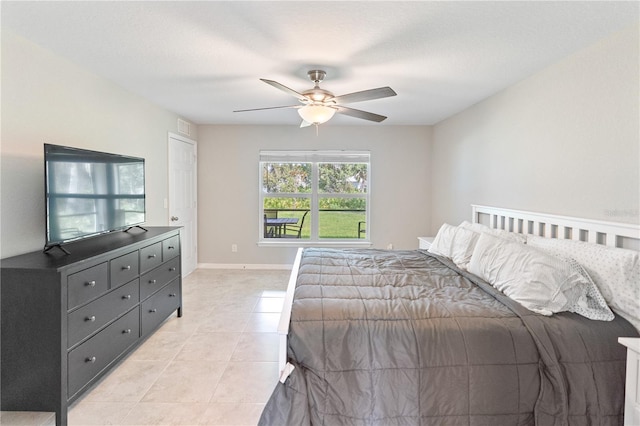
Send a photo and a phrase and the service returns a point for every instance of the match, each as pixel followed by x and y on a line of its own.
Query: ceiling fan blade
pixel 365 95
pixel 284 88
pixel 260 109
pixel 360 114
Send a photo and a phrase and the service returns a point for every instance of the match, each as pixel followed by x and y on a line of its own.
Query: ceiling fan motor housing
pixel 317 95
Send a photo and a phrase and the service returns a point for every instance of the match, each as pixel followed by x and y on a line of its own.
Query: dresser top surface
pixel 88 248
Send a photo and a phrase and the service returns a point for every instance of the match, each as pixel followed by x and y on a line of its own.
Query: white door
pixel 183 197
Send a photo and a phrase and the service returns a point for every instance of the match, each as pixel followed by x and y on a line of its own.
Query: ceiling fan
pixel 318 105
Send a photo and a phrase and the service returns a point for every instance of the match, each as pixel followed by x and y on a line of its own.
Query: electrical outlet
pixel 389 246
pixel 234 248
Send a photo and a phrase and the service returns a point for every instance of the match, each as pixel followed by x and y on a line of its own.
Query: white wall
pixel 228 184
pixel 48 99
pixel 564 141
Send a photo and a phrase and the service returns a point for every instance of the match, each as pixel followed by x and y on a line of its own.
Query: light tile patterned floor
pixel 217 365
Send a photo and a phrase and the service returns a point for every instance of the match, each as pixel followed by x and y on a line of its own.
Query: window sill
pixel 307 243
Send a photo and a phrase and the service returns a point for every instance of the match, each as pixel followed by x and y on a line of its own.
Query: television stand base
pixel 47 248
pixel 136 226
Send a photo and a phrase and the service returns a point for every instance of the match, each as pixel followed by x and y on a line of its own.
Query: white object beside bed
pixel 632 393
pixel 425 242
pixel 551 226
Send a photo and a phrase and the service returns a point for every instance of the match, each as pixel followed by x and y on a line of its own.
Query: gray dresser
pixel 67 319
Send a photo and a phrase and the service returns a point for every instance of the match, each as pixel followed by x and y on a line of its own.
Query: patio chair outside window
pixel 294 231
pixel 361 229
pixel 270 231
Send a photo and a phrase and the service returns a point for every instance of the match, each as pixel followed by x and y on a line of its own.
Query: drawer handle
pixel 90 359
pixel 152 311
pixel 92 318
pixel 126 268
pixel 152 281
pixel 126 296
pixel 170 248
pixel 172 295
pixel 127 331
pixel 90 284
pixel 152 256
pixel 172 269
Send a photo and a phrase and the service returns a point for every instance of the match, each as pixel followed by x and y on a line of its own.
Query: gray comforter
pixel 405 338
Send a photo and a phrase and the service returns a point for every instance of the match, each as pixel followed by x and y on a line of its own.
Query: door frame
pixel 194 143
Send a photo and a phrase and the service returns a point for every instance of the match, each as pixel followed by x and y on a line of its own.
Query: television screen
pixel 90 192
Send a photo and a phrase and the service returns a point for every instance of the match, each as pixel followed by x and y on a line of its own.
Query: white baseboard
pixel 243 266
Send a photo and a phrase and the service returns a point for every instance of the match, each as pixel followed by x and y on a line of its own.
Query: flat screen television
pixel 89 193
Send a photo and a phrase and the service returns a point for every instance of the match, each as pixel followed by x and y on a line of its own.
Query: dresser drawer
pixel 123 269
pixel 170 248
pixel 154 280
pixel 95 315
pixel 158 307
pixel 87 285
pixel 91 357
pixel 150 257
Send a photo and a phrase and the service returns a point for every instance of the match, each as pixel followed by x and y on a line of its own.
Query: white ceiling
pixel 204 59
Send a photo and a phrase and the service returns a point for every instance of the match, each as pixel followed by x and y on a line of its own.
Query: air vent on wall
pixel 184 127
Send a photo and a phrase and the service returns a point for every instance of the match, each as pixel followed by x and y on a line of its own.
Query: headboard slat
pixel 575 234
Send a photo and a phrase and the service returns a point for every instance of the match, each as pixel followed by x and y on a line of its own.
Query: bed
pixel 415 337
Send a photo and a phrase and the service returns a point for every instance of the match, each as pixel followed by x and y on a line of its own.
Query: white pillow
pixel 615 271
pixel 455 243
pixel 478 227
pixel 591 304
pixel 443 241
pixel 462 246
pixel 539 281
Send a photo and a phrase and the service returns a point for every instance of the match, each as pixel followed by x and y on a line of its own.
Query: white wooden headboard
pixel 613 234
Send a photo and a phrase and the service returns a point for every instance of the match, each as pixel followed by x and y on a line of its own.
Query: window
pixel 314 196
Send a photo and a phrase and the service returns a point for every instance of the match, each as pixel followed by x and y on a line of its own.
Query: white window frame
pixel 313 157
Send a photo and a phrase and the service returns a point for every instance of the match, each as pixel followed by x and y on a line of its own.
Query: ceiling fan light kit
pixel 319 105
pixel 316 114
